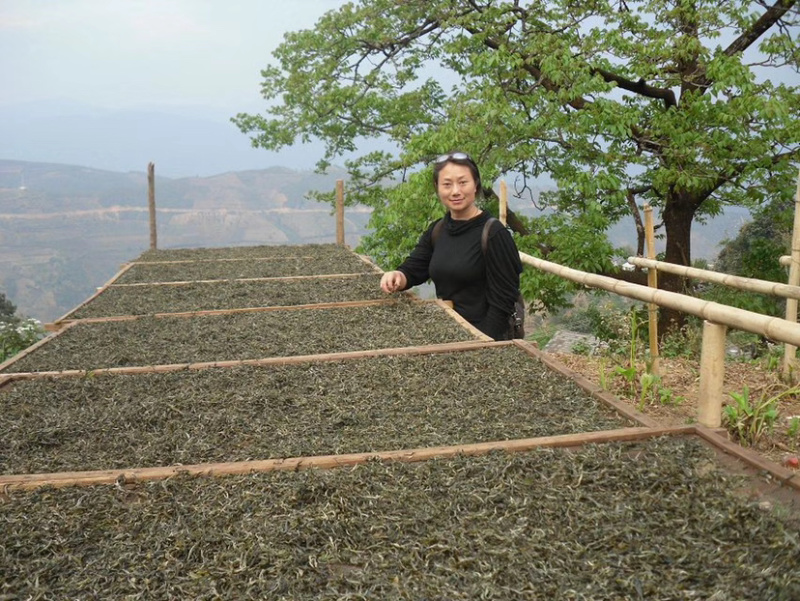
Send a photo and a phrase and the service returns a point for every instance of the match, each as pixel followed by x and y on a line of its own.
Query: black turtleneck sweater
pixel 483 289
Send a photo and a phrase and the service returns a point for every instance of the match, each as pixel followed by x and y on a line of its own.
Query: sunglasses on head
pixel 459 156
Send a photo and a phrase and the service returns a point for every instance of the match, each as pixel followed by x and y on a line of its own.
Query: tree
pixel 8 309
pixel 668 102
pixel 16 333
pixel 754 253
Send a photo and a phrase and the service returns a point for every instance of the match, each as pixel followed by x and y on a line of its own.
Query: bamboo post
pixel 151 203
pixel 340 212
pixel 652 282
pixel 503 209
pixel 712 373
pixel 789 350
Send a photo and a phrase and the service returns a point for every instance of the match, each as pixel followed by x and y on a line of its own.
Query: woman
pixel 483 287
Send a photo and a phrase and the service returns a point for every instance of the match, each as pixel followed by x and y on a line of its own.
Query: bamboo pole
pixel 340 212
pixel 652 282
pixel 294 464
pixel 732 281
pixel 151 203
pixel 712 373
pixel 774 328
pixel 790 350
pixel 503 209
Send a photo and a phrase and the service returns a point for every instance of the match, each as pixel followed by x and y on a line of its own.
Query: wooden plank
pixel 445 347
pixel 448 307
pixel 229 280
pixel 781 474
pixel 590 387
pixel 151 203
pixel 30 481
pixel 369 262
pixel 322 306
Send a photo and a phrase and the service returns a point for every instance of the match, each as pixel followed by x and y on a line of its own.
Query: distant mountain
pixel 65 229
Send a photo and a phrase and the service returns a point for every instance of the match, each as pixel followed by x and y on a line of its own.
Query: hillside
pixel 64 230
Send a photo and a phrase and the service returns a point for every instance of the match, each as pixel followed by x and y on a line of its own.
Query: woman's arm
pixel 415 267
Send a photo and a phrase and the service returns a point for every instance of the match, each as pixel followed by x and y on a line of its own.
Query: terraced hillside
pixel 261 422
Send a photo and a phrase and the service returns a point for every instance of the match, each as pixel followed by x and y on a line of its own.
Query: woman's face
pixel 456 188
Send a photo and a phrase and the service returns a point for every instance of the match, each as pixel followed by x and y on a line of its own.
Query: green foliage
pixel 685 342
pixel 793 430
pixel 542 335
pixel 17 335
pixel 748 420
pixel 619 326
pixel 754 253
pixel 618 104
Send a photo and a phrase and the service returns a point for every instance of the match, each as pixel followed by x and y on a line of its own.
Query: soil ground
pixel 681 378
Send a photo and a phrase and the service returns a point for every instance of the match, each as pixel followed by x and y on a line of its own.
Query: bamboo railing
pixel 717 318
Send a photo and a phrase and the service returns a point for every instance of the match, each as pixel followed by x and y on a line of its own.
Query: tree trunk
pixel 678 215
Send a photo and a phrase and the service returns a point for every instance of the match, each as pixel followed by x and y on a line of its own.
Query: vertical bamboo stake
pixel 789 350
pixel 340 212
pixel 712 373
pixel 503 202
pixel 151 203
pixel 652 281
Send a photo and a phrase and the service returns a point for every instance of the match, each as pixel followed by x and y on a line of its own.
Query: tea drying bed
pixel 169 339
pixel 466 468
pixel 308 409
pixel 269 267
pixel 649 520
pixel 219 295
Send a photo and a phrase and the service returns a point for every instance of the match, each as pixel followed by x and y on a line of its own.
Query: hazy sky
pixel 124 53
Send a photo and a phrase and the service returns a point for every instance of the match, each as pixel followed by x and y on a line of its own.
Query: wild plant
pixel 748 419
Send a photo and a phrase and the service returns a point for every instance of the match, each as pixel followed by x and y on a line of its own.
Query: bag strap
pixel 437 230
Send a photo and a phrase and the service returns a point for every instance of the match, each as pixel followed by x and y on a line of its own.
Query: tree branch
pixel 764 23
pixel 773 14
pixel 640 87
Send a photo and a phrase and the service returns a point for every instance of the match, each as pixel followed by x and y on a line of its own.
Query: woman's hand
pixel 392 281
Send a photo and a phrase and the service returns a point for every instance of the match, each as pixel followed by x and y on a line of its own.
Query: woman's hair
pixel 457 158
